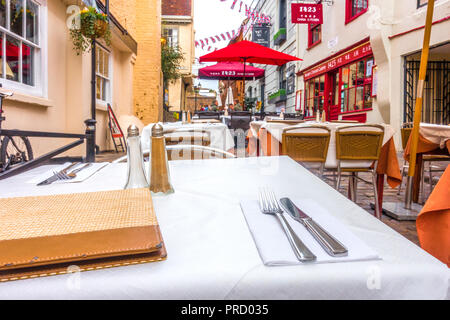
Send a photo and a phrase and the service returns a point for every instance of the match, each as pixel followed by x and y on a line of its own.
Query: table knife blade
pixel 330 244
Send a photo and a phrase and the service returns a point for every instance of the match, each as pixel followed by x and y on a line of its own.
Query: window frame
pixel 348 11
pixel 311 95
pixel 109 98
pixel 311 27
pixel 366 82
pixel 280 26
pixel 421 5
pixel 168 27
pixel 40 63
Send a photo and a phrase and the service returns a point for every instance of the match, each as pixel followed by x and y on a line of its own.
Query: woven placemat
pixel 41 216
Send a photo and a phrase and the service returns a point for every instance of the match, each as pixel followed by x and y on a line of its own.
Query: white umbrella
pixel 219 101
pixel 230 98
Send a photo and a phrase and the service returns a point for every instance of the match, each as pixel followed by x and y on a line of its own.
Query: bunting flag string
pixel 255 17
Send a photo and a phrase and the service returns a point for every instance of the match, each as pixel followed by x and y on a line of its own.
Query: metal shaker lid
pixel 157 130
pixel 133 131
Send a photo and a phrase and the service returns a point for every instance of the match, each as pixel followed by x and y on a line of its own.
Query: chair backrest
pixel 187 152
pixel 359 142
pixel 205 121
pixel 405 133
pixel 194 152
pixel 209 115
pixel 298 116
pixel 344 121
pixel 240 120
pixel 306 144
pixel 188 137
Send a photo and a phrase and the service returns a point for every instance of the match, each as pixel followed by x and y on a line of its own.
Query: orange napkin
pixel 433 222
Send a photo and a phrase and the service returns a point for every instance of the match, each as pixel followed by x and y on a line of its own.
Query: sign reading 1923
pixel 307 13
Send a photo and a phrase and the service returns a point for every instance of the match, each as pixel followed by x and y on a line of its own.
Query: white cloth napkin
pixel 81 176
pixel 273 245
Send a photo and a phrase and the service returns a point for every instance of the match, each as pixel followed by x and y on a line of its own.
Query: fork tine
pixel 267 199
pixel 275 201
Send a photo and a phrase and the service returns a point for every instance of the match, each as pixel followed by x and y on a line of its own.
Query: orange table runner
pixel 433 222
pixel 387 164
pixel 423 146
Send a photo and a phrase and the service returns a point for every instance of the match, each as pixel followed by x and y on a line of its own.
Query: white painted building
pixel 357 37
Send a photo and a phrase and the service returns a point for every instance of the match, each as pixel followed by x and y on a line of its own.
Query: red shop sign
pixel 343 59
pixel 307 13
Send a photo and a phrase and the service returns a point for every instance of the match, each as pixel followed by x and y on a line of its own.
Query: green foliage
pixel 171 59
pixel 280 92
pixel 93 25
pixel 280 32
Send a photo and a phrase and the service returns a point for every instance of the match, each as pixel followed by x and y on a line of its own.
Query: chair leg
pixel 430 172
pixel 401 181
pixel 375 192
pixel 355 187
pixel 422 181
pixel 338 178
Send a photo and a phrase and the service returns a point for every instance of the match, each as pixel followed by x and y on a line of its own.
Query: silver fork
pixel 269 205
pixel 73 174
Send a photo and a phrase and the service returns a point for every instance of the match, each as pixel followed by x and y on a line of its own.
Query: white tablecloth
pixel 435 133
pixel 276 131
pixel 211 254
pixel 221 137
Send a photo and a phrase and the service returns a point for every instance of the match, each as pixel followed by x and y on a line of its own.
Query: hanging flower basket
pixel 92 25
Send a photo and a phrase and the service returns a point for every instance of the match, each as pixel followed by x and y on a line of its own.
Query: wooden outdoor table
pixel 433 140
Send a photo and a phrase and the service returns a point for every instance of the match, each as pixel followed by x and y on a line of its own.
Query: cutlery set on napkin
pixel 299 237
pixel 68 172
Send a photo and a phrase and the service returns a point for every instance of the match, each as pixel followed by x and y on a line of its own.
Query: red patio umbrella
pixel 247 51
pixel 230 70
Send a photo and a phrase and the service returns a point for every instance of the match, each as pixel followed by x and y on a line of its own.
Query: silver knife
pixel 54 177
pixel 330 244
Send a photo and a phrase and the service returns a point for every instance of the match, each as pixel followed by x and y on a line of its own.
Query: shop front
pixel 342 86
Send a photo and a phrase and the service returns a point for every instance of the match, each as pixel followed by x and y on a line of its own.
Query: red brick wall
pixel 176 7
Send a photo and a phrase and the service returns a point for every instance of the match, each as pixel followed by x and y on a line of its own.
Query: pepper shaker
pixel 159 164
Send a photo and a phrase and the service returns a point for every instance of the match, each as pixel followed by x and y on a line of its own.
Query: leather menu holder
pixel 50 235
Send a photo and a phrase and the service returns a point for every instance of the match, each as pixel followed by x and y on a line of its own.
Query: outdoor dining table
pixel 221 137
pixel 212 255
pixel 265 139
pixel 433 139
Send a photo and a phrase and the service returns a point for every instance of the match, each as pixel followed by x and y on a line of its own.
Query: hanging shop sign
pixel 343 59
pixel 307 13
pixel 261 35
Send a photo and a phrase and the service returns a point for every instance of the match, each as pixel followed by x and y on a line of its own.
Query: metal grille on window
pixel 436 95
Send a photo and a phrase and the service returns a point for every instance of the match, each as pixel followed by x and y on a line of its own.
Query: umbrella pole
pixel 419 100
pixel 243 88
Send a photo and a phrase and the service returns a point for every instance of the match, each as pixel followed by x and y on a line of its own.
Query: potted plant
pixel 93 25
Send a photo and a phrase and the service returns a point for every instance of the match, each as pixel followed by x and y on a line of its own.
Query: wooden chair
pixel 205 121
pixel 406 130
pixel 358 149
pixel 195 152
pixel 308 145
pixel 209 115
pixel 187 137
pixel 293 116
pixel 188 152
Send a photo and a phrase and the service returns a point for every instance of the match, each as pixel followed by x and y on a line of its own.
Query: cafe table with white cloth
pixel 211 250
pixel 221 137
pixel 265 139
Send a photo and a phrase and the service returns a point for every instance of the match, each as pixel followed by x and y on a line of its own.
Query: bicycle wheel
pixel 15 150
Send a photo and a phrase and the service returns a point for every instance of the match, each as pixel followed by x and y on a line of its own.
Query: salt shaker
pixel 136 172
pixel 159 165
